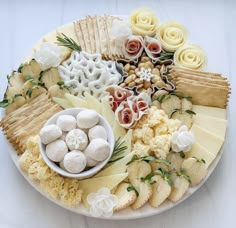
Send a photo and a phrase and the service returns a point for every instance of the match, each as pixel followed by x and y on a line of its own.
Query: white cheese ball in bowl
pixel 66 122
pixel 93 166
pixel 74 161
pixel 56 150
pixel 76 139
pixel 50 133
pixel 97 131
pixel 87 118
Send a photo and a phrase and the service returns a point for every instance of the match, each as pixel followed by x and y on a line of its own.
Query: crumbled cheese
pixel 60 188
pixel 152 134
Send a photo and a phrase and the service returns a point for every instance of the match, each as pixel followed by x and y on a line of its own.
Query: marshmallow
pixel 76 139
pixel 74 161
pixel 56 150
pixel 87 119
pixel 97 132
pixel 98 150
pixel 50 133
pixel 66 122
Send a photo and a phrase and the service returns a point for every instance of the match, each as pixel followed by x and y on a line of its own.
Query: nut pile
pixel 145 76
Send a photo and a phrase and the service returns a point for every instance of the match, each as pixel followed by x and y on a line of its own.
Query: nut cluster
pixel 133 79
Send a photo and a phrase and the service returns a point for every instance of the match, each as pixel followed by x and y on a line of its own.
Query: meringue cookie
pixel 74 161
pixel 98 150
pixel 56 150
pixel 87 119
pixel 97 132
pixel 66 122
pixel 50 133
pixel 76 139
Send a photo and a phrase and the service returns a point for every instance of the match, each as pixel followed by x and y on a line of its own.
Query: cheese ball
pixel 98 150
pixel 97 132
pixel 66 122
pixel 56 150
pixel 76 139
pixel 50 133
pixel 87 119
pixel 74 161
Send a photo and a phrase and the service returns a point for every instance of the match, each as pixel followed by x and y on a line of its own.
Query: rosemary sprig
pixel 65 41
pixel 118 150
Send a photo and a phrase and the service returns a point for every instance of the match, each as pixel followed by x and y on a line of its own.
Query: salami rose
pixel 133 47
pixel 152 47
pixel 117 95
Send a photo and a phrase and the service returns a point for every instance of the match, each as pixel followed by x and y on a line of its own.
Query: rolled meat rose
pixel 117 95
pixel 130 111
pixel 125 114
pixel 191 57
pixel 152 47
pixel 133 47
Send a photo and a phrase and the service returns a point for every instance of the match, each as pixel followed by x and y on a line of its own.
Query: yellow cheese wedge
pixel 201 152
pixel 206 139
pixel 117 167
pixel 210 111
pixel 216 126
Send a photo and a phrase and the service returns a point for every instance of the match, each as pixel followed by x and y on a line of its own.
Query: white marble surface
pixel 211 24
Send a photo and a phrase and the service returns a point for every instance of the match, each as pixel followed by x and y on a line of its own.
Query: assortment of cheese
pixel 166 151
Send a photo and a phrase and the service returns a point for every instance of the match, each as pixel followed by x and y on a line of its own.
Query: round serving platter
pixel 125 214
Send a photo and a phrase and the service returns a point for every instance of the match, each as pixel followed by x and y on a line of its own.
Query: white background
pixel 211 24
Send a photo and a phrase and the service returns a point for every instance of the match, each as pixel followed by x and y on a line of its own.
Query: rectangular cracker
pixel 79 35
pixel 96 35
pixel 91 33
pixel 204 94
pixel 84 30
pixel 102 34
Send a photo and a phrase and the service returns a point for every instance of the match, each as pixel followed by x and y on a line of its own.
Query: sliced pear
pixel 76 101
pixel 50 77
pixel 18 102
pixel 93 102
pixel 35 68
pixel 64 103
pixel 57 91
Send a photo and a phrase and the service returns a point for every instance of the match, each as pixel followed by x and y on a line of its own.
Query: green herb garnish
pixel 166 56
pixel 29 92
pixel 200 160
pixel 165 175
pixel 4 103
pixel 182 154
pixel 190 112
pixel 118 150
pixel 148 178
pixel 132 188
pixel 134 158
pixel 68 42
pixel 62 85
pixel 20 67
pixel 183 174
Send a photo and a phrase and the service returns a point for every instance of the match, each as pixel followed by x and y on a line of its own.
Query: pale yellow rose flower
pixel 191 57
pixel 143 22
pixel 172 35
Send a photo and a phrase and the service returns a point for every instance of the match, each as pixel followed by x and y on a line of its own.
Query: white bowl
pixel 91 171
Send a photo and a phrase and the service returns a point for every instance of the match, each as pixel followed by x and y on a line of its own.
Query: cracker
pixel 79 35
pixel 96 35
pixel 91 33
pixel 102 34
pixel 84 29
pixel 204 94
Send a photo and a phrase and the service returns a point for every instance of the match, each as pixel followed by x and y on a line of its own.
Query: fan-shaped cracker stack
pixel 18 125
pixel 205 88
pixel 94 36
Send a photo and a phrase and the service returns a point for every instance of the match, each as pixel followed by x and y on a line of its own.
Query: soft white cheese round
pixel 87 119
pixel 66 122
pixel 98 149
pixel 74 161
pixel 56 150
pixel 97 131
pixel 50 133
pixel 76 139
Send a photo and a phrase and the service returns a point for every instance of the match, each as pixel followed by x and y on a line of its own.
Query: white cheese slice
pixel 216 126
pixel 210 111
pixel 69 31
pixel 201 152
pixel 206 139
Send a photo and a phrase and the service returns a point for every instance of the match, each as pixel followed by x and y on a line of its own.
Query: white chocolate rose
pixel 191 57
pixel 143 22
pixel 102 203
pixel 182 140
pixel 48 56
pixel 172 35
